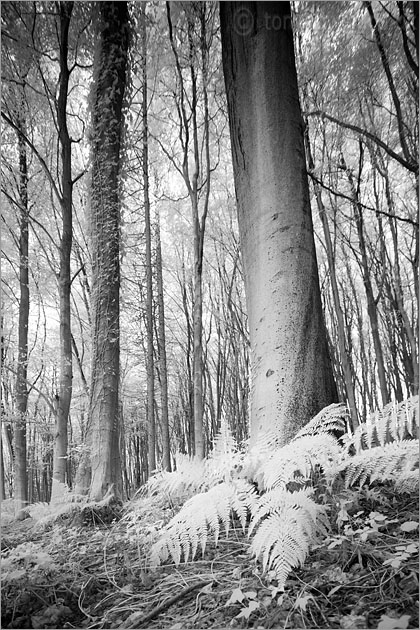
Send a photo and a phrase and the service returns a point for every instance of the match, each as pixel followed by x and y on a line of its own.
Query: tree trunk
pixel 66 365
pixel 110 67
pixel 162 354
pixel 291 374
pixel 345 355
pixel 371 302
pixel 21 474
pixel 201 174
pixel 150 368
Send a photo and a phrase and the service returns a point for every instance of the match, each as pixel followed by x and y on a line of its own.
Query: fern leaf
pixel 188 478
pixel 201 515
pixel 285 524
pixel 407 481
pixel 383 463
pixel 392 423
pixel 296 461
pixel 330 419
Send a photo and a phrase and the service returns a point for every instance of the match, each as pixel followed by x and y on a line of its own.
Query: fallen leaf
pixel 237 596
pixel 303 601
pixel 247 612
pixel 389 623
pixel 409 526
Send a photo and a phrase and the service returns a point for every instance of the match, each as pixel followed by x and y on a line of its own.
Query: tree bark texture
pixel 110 68
pixel 291 374
pixel 66 363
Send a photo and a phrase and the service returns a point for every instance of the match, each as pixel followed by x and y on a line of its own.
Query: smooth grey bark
pixel 291 374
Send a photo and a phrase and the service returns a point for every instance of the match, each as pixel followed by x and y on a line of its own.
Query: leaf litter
pixel 73 574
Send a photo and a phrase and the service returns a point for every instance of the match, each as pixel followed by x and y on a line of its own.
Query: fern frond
pixel 383 463
pixel 200 515
pixel 197 475
pixel 297 460
pixel 394 422
pixel 329 420
pixel 286 524
pixel 188 478
pixel 224 458
pixel 407 481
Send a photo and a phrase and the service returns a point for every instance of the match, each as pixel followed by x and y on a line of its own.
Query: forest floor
pixel 73 574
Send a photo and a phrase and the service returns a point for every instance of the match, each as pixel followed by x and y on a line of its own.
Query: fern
pixel 203 513
pixel 331 419
pixel 194 475
pixel 407 481
pixel 286 524
pixel 392 423
pixel 384 463
pixel 297 460
pixel 186 480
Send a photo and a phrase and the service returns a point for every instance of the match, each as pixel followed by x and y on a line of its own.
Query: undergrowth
pixel 281 496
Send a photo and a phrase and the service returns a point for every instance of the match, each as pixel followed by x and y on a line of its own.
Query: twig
pixel 136 622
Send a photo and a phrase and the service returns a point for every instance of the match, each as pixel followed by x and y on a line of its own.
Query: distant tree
pixel 194 121
pixel 64 278
pixel 291 375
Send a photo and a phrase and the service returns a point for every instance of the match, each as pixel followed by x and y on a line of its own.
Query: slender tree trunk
pixel 371 302
pixel 162 353
pixel 189 127
pixel 198 355
pixel 21 474
pixel 150 368
pixel 110 67
pixel 66 364
pixel 2 473
pixel 392 88
pixel 341 333
pixel 291 374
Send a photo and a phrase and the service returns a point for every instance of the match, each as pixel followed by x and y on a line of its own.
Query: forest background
pixel 358 77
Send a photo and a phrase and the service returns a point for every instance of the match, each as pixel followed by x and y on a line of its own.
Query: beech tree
pixel 291 375
pixel 101 473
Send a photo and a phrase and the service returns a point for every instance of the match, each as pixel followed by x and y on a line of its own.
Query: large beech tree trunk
pixel 110 68
pixel 291 374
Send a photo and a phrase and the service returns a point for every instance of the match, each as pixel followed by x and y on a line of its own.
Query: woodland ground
pixel 85 573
